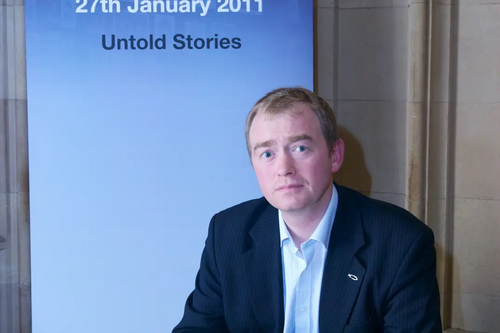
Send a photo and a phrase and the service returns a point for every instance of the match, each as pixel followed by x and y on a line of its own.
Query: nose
pixel 285 164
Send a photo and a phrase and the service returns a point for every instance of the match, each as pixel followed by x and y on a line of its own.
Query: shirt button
pixel 303 310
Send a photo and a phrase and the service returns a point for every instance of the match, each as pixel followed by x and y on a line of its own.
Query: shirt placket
pixel 304 292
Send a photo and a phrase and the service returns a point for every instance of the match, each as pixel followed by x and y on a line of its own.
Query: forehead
pixel 284 127
pixel 299 119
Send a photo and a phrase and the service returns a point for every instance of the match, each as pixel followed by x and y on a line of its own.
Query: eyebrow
pixel 263 144
pixel 291 139
pixel 300 137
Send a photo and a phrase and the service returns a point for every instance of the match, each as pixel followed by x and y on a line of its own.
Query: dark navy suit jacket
pixel 239 287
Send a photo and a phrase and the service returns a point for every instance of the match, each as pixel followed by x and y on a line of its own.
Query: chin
pixel 289 206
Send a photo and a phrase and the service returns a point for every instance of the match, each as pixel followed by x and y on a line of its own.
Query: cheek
pixel 317 172
pixel 263 175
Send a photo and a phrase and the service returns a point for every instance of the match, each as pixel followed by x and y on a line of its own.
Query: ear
pixel 337 155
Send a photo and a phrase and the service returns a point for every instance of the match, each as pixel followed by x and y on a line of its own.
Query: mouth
pixel 288 187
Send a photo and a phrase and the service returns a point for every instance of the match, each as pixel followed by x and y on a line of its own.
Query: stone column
pixel 15 280
pixel 392 64
pixel 325 50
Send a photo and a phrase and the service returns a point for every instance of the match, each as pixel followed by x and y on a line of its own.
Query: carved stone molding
pixel 15 279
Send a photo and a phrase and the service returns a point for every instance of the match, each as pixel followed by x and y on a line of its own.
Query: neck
pixel 302 223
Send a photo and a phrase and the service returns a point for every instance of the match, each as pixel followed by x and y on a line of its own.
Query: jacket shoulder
pixel 246 207
pixel 380 217
pixel 241 217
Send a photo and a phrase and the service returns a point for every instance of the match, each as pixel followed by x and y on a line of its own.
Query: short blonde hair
pixel 282 99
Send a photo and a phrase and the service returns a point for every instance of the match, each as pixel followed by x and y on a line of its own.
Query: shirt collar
pixel 324 228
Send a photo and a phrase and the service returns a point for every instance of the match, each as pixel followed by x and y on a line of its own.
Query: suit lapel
pixel 264 271
pixel 343 274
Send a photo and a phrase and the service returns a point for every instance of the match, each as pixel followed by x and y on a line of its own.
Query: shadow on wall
pixel 454 300
pixel 353 173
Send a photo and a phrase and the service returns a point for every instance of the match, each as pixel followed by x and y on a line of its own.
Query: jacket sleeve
pixel 204 309
pixel 413 301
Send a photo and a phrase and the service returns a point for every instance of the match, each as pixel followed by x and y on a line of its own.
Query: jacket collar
pixel 343 274
pixel 264 271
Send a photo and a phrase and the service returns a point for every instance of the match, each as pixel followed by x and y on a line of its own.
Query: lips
pixel 288 187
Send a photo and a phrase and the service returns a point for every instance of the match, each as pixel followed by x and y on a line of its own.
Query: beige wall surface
pixel 476 205
pixel 416 87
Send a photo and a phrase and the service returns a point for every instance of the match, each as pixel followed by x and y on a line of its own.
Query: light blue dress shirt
pixel 303 272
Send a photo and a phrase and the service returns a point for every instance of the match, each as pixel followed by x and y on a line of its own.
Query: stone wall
pixel 15 279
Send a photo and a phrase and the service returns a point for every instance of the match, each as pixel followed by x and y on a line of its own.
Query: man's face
pixel 291 159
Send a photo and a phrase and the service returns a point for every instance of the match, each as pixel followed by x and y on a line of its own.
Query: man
pixel 311 256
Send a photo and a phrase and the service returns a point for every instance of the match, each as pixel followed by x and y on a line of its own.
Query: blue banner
pixel 136 113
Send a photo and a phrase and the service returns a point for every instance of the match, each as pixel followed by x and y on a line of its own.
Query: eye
pixel 300 149
pixel 266 154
